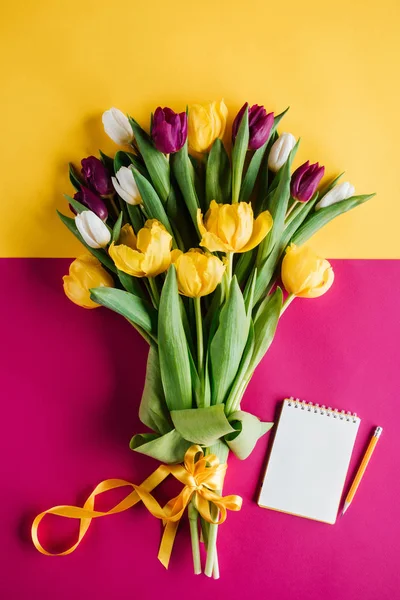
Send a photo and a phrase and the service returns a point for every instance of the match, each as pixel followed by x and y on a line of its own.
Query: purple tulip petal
pixel 89 199
pixel 96 175
pixel 169 131
pixel 260 125
pixel 305 181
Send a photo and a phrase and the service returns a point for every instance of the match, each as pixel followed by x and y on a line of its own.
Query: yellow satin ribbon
pixel 200 478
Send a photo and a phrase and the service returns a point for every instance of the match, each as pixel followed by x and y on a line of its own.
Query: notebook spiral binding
pixel 323 410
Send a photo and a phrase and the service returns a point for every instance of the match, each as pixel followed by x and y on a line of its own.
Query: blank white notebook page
pixel 308 464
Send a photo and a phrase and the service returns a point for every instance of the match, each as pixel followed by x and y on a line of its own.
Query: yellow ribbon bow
pixel 201 479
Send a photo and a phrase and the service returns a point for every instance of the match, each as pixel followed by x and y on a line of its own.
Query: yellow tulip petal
pixel 244 225
pixel 214 244
pixel 326 280
pixel 261 227
pixel 127 260
pixel 305 274
pixel 127 237
pixel 77 294
pixel 175 254
pixel 212 274
pixel 85 272
pixel 228 224
pixel 189 282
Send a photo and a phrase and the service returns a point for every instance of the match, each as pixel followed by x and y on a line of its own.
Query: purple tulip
pixel 169 131
pixel 91 201
pixel 96 175
pixel 305 181
pixel 260 125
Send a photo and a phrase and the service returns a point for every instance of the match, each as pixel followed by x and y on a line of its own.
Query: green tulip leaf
pixel 277 205
pixel 152 203
pixel 75 204
pixel 184 174
pixel 153 411
pixel 218 175
pixel 121 159
pixel 169 448
pixel 107 161
pixel 173 347
pixel 156 163
pixel 74 177
pixel 265 324
pixel 117 228
pixel 135 217
pixel 132 307
pixel 321 217
pixel 100 254
pixel 131 284
pixel 202 426
pixel 248 430
pixel 252 172
pixel 278 119
pixel 239 385
pixel 239 151
pixel 228 343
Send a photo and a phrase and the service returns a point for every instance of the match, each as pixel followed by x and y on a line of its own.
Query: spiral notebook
pixel 309 460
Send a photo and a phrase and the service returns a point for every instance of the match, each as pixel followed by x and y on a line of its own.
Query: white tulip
pixel 117 126
pixel 280 151
pixel 92 229
pixel 342 191
pixel 125 185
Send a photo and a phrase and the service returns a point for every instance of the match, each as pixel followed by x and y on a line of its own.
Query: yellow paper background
pixel 63 63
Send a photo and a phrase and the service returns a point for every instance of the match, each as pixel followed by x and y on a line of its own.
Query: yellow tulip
pixel 198 272
pixel 232 227
pixel 147 255
pixel 305 274
pixel 85 273
pixel 206 123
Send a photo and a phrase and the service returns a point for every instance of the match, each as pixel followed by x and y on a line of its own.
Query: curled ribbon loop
pixel 201 478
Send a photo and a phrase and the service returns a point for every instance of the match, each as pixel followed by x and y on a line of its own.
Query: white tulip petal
pixel 117 126
pixel 340 192
pixel 92 229
pixel 280 151
pixel 125 186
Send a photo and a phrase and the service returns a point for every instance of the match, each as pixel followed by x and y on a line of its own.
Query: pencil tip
pixel 345 507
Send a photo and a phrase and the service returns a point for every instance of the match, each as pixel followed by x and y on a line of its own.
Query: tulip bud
pixel 198 272
pixel 92 201
pixel 232 227
pixel 280 151
pixel 94 232
pixel 85 273
pixel 206 123
pixel 305 181
pixel 260 125
pixel 117 126
pixel 304 274
pixel 96 175
pixel 342 191
pixel 125 186
pixel 169 130
pixel 146 255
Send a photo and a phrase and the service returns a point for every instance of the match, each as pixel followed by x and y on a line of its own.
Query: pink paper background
pixel 71 382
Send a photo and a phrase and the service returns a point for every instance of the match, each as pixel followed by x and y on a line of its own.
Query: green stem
pixel 114 206
pixel 199 332
pixel 155 292
pixel 288 300
pixel 194 535
pixel 212 569
pixel 229 269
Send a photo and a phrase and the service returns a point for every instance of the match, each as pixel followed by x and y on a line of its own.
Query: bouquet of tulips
pixel 201 249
